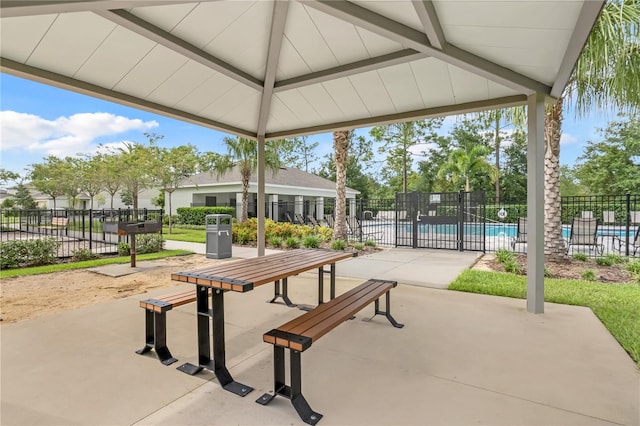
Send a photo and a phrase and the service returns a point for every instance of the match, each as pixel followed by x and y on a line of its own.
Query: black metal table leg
pixel 218 364
pixel 284 294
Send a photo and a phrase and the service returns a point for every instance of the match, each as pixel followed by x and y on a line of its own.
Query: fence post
pixel 90 229
pixel 413 211
pixel 628 223
pixel 461 215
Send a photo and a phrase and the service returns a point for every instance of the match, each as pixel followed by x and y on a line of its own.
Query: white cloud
pixel 568 139
pixel 64 135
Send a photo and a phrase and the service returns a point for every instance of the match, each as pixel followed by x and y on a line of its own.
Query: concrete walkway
pixel 460 359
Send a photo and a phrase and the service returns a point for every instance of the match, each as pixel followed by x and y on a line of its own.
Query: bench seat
pixel 299 334
pixel 57 223
pixel 156 322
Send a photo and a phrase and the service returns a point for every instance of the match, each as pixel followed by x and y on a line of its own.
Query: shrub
pixel 588 275
pixel 149 243
pixel 292 242
pixel 634 267
pixel 615 258
pixel 370 243
pixel 580 256
pixel 339 245
pixel 547 272
pixel 124 249
pixel 604 261
pixel 311 241
pixel 83 254
pixel 512 266
pixel 358 246
pixel 42 251
pixel 504 255
pixel 275 241
pixel 196 215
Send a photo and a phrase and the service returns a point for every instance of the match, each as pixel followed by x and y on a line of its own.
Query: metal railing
pixel 73 229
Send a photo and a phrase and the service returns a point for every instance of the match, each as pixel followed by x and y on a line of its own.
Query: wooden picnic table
pixel 243 276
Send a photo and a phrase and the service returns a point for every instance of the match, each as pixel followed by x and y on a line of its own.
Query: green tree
pixel 138 161
pixel 359 157
pixel 467 165
pixel 73 179
pixel 569 183
pixel 243 153
pixel 23 197
pixel 92 171
pixel 434 159
pixel 7 176
pixel 399 141
pixel 514 169
pixel 111 170
pixel 612 165
pixel 606 75
pixel 297 152
pixel 50 177
pixel 172 167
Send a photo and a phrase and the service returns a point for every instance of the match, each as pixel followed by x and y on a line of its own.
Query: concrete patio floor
pixel 460 359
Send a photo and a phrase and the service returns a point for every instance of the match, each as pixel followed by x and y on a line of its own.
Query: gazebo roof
pixel 280 68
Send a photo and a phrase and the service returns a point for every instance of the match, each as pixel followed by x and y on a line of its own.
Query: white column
pixel 319 208
pixel 535 204
pixel 298 204
pixel 274 214
pixel 238 206
pixel 261 197
pixel 352 206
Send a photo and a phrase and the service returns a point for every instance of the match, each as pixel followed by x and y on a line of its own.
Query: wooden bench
pixel 57 223
pixel 299 334
pixel 155 322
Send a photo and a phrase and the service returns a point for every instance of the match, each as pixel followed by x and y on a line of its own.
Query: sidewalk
pixel 460 359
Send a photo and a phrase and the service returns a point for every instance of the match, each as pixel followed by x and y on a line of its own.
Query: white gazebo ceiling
pixel 280 68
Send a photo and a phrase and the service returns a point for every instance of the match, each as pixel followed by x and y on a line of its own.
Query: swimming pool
pixel 505 230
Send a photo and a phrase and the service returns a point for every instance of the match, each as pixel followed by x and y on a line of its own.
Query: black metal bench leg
pixel 293 392
pixel 284 294
pixel 387 312
pixel 156 336
pixel 160 330
pixel 297 399
pixel 148 331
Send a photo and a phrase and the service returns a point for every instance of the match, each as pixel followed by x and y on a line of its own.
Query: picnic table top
pixel 245 274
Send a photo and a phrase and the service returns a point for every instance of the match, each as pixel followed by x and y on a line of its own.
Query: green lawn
pixel 616 305
pixel 36 270
pixel 181 234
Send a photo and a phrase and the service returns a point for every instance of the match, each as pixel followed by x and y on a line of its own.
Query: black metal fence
pixel 465 221
pixel 74 229
pixel 606 224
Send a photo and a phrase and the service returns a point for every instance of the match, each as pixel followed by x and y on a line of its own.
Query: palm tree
pixel 243 153
pixel 607 74
pixel 341 140
pixel 465 161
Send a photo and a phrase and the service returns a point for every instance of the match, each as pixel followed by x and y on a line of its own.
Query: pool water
pixel 507 230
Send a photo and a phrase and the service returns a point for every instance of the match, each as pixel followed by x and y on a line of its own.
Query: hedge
pixel 196 215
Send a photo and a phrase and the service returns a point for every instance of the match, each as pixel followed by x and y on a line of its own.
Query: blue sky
pixel 37 120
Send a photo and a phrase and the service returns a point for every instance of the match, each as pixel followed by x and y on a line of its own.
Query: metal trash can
pixel 218 237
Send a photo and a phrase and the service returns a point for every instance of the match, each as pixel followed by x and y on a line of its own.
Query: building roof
pixel 274 69
pixel 286 176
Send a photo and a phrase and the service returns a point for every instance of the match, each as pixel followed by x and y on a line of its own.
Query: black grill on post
pixel 132 228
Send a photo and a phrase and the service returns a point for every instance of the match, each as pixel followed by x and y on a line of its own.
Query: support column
pixel 261 198
pixel 274 213
pixel 352 206
pixel 298 206
pixel 535 204
pixel 238 206
pixel 319 208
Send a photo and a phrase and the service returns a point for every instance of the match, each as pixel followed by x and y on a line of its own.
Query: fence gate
pixel 446 220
